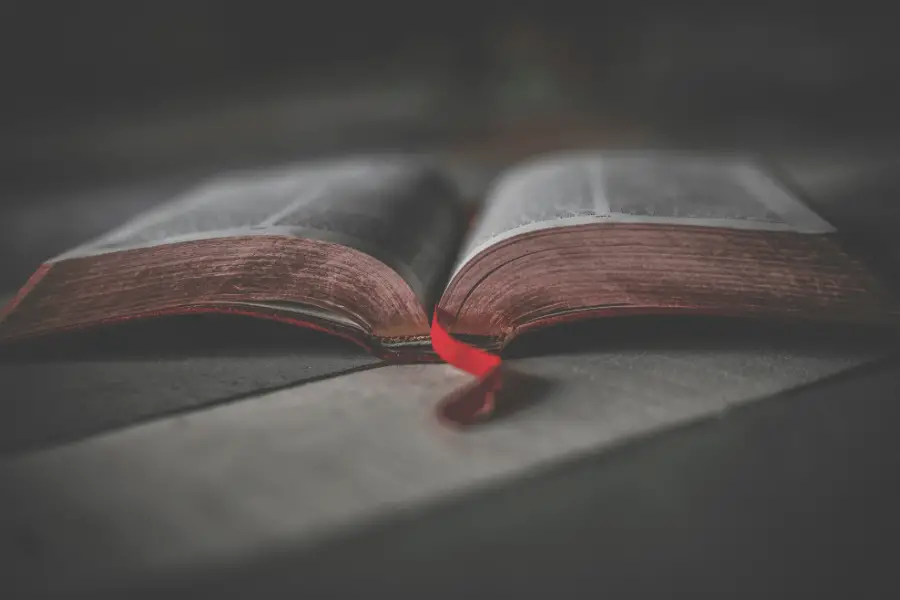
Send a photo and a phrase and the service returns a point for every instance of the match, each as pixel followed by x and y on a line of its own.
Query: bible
pixel 367 248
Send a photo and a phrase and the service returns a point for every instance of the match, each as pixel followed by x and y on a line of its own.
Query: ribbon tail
pixel 475 402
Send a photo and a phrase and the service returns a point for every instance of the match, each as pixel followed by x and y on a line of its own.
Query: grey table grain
pixel 300 465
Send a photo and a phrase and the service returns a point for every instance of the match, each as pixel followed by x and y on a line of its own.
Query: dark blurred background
pixel 109 107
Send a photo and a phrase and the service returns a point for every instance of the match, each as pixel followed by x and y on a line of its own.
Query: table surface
pixel 781 450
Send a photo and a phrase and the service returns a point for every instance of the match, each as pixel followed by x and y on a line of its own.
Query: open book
pixel 366 248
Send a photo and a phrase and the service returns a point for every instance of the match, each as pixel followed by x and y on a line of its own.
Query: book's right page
pixel 639 187
pixel 578 235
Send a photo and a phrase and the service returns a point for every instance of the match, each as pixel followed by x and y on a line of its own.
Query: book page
pixel 396 209
pixel 633 187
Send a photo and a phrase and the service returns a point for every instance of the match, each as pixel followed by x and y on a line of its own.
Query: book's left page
pixel 359 247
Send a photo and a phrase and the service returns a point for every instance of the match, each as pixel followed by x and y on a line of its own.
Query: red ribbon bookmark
pixel 474 402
